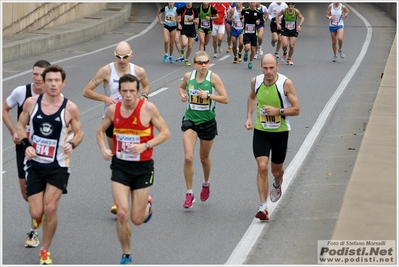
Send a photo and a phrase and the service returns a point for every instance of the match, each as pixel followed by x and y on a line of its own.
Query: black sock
pixel 125 255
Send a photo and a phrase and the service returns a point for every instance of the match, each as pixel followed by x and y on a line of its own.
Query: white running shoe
pixel 260 50
pixel 342 55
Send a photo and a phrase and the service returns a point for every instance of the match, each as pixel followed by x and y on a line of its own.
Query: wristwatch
pixel 72 144
pixel 281 111
pixel 147 146
pixel 209 95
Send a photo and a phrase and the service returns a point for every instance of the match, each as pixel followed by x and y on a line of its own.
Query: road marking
pixel 252 234
pixel 158 91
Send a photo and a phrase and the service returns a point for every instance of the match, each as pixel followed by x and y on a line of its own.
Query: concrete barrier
pixel 42 41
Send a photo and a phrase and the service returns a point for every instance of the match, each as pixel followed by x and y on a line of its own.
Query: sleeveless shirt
pixel 199 110
pixel 112 89
pixel 129 131
pixel 272 95
pixel 337 13
pixel 48 134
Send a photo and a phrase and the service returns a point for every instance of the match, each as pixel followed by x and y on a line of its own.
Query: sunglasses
pixel 122 57
pixel 200 63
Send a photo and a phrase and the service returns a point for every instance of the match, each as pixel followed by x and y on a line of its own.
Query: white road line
pixel 158 91
pixel 250 237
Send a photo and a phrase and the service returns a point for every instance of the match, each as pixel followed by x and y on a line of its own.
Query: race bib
pixel 250 28
pixel 45 149
pixel 123 143
pixel 269 121
pixel 196 102
pixel 290 25
pixel 187 19
pixel 205 24
pixel 238 25
pixel 170 18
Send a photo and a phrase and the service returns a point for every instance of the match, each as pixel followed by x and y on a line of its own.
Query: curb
pixel 40 42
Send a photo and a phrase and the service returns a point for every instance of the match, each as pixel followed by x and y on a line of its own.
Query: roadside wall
pixel 390 8
pixel 33 16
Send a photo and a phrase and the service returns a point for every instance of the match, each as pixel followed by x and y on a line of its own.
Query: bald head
pixel 123 48
pixel 269 59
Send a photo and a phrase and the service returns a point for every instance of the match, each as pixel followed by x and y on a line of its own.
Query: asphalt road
pixel 210 231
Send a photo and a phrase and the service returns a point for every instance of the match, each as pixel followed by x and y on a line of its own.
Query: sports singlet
pixel 289 21
pixel 199 110
pixel 236 20
pixel 129 131
pixel 170 15
pixel 112 89
pixel 48 136
pixel 203 23
pixel 337 13
pixel 274 96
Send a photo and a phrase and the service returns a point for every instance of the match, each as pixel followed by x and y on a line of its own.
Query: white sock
pixel 206 183
pixel 190 191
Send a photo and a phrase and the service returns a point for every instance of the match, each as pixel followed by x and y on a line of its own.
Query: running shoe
pixel 149 209
pixel 276 193
pixel 39 223
pixel 180 59
pixel 215 54
pixel 256 55
pixel 284 57
pixel 228 49
pixel 171 60
pixel 262 215
pixel 165 58
pixel 182 52
pixel 289 62
pixel 273 43
pixel 245 57
pixel 342 55
pixel 45 257
pixel 276 54
pixel 239 57
pixel 33 239
pixel 334 59
pixel 260 50
pixel 205 192
pixel 250 65
pixel 235 60
pixel 126 260
pixel 114 209
pixel 220 49
pixel 188 204
pixel 187 63
pixel 196 38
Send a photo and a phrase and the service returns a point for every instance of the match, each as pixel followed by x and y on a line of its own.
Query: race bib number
pixel 290 25
pixel 170 18
pixel 205 24
pixel 45 149
pixel 334 22
pixel 123 143
pixel 250 28
pixel 269 121
pixel 238 25
pixel 188 19
pixel 196 102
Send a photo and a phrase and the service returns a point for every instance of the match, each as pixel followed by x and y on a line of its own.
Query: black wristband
pixel 72 144
pixel 145 94
pixel 25 143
